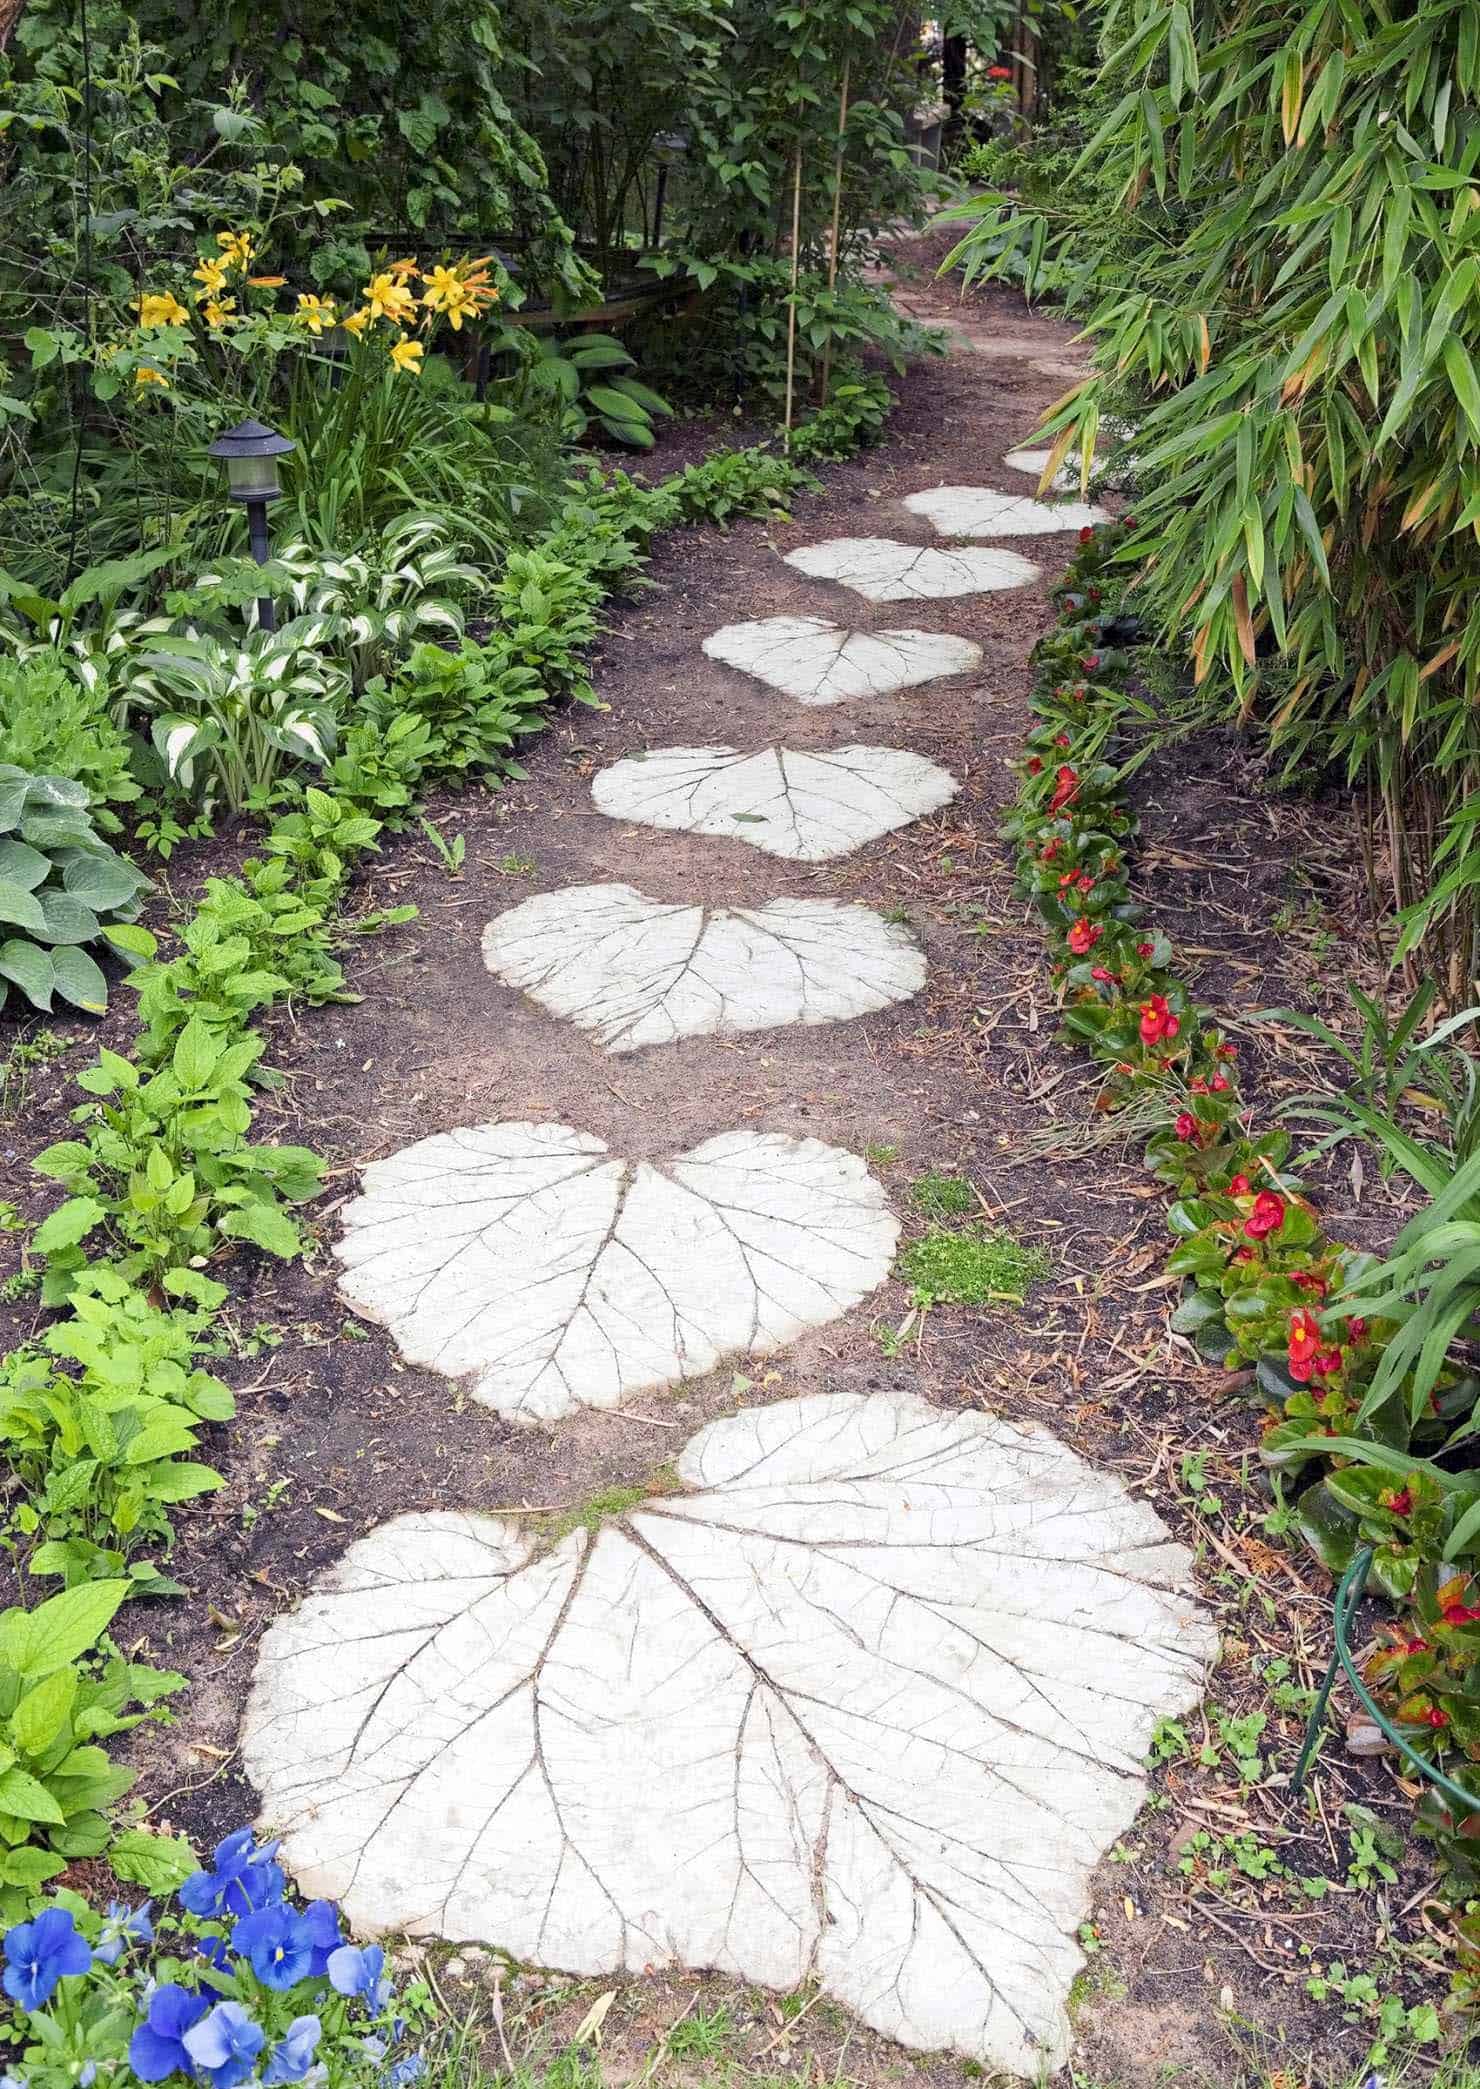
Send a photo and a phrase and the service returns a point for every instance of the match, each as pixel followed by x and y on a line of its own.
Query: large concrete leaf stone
pixel 882 570
pixel 554 1276
pixel 640 971
pixel 806 807
pixel 980 511
pixel 822 663
pixel 867 1705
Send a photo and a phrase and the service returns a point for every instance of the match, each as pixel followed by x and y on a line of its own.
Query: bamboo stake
pixel 796 259
pixel 837 219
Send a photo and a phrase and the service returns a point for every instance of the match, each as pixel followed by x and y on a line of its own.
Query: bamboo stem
pixel 825 378
pixel 791 317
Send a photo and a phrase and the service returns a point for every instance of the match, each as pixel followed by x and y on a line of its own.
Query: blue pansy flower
pixel 356 1972
pixel 88 2075
pixel 322 1918
pixel 292 2056
pixel 242 1877
pixel 157 2047
pixel 224 2045
pixel 39 1954
pixel 406 2071
pixel 119 1925
pixel 279 1944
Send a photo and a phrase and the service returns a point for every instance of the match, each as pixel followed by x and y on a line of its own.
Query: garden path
pixel 859 1685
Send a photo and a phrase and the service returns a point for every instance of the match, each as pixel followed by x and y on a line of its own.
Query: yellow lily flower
pixel 315 313
pixel 160 308
pixel 356 322
pixel 144 375
pixel 237 248
pixel 407 355
pixel 385 298
pixel 211 276
pixel 220 311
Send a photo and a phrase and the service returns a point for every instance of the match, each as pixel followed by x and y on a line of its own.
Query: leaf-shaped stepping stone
pixel 884 571
pixel 641 971
pixel 866 1707
pixel 976 511
pixel 554 1276
pixel 822 663
pixel 808 807
pixel 1035 462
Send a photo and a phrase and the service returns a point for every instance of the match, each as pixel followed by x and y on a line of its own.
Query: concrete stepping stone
pixel 882 571
pixel 1033 463
pixel 806 807
pixel 822 663
pixel 642 971
pixel 978 511
pixel 554 1276
pixel 864 1704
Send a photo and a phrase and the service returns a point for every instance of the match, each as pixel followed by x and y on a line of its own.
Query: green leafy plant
pixel 382 598
pixel 62 1691
pixel 52 723
pixel 228 716
pixel 105 1451
pixel 62 887
pixel 588 376
pixel 475 704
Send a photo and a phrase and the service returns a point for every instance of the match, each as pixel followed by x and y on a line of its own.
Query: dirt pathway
pixel 866 1082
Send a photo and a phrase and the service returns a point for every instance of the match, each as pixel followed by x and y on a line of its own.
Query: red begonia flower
pixel 1157 1020
pixel 1356 1328
pixel 1267 1216
pixel 1401 1503
pixel 1435 1717
pixel 1090 662
pixel 1084 935
pixel 1240 1186
pixel 1035 765
pixel 1144 949
pixel 1066 790
pixel 1061 739
pixel 1218 1083
pixel 1304 1343
pixel 1186 1126
pixel 1197 1086
pixel 1087 534
pixel 1326 1363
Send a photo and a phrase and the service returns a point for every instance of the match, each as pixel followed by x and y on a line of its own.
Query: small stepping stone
pixel 864 1703
pixel 1033 464
pixel 822 663
pixel 640 971
pixel 806 807
pixel 553 1276
pixel 882 571
pixel 978 511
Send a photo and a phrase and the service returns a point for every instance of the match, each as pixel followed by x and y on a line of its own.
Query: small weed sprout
pixel 972 1268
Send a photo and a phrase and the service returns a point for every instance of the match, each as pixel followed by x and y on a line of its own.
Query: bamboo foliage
pixel 1301 321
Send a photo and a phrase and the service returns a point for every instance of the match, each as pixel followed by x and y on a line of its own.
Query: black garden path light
pixel 250 452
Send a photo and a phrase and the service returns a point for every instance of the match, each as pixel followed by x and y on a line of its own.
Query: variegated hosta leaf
pixel 865 1703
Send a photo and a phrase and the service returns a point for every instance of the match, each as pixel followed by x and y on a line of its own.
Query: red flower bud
pixel 1090 662
pixel 1219 1083
pixel 1186 1126
pixel 1400 1503
pixel 1105 978
pixel 1328 1362
pixel 1243 1254
pixel 1144 949
pixel 1061 739
pixel 1356 1328
pixel 1435 1718
pixel 1035 765
pixel 1197 1086
pixel 1087 535
pixel 1240 1186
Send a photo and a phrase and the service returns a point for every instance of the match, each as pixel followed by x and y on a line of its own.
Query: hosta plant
pixel 228 715
pixel 381 599
pixel 61 888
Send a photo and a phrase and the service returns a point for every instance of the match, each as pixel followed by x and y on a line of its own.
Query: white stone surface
pixel 1034 462
pixel 866 1705
pixel 883 571
pixel 807 807
pixel 822 663
pixel 553 1276
pixel 642 971
pixel 978 511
